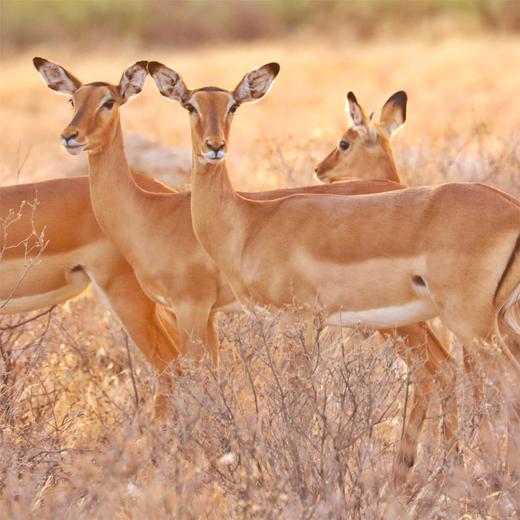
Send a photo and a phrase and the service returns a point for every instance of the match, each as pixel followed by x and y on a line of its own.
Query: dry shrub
pixel 292 425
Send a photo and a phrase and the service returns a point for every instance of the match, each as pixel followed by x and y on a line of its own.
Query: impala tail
pixel 507 296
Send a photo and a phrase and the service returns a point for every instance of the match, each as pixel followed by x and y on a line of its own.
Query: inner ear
pixel 354 110
pixel 393 114
pixel 132 80
pixel 168 82
pixel 56 77
pixel 256 83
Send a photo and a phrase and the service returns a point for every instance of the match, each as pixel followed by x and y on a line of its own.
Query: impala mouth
pixel 214 157
pixel 73 148
pixel 322 178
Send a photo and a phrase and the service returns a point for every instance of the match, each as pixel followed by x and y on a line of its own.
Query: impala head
pixel 364 150
pixel 96 105
pixel 211 108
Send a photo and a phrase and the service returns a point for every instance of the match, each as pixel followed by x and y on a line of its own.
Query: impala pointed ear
pixel 169 83
pixel 56 77
pixel 256 84
pixel 132 80
pixel 393 114
pixel 357 119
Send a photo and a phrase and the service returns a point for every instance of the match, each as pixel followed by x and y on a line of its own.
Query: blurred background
pixel 457 59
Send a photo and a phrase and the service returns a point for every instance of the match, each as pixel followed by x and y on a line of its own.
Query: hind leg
pixel 509 341
pixel 424 353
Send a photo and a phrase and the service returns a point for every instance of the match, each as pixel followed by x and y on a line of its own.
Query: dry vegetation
pixel 285 429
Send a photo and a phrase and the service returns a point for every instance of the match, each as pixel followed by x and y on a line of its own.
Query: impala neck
pixel 215 210
pixel 116 199
pixel 389 167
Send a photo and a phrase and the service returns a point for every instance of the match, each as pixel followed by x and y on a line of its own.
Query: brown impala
pixel 380 260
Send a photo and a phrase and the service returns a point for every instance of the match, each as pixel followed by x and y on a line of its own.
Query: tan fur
pixel 214 106
pixel 154 231
pixel 75 249
pixel 445 247
pixel 366 159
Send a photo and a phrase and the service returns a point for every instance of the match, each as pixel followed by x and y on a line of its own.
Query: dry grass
pixel 285 429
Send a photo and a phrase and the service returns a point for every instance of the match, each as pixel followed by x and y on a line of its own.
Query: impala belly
pixel 377 292
pixel 55 292
pixel 385 317
pixel 50 280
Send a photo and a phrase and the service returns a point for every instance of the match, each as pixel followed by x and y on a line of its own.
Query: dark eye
pixel 233 108
pixel 190 108
pixel 344 145
pixel 109 104
pixel 71 101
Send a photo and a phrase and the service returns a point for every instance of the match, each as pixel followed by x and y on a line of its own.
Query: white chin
pixel 212 159
pixel 321 179
pixel 74 150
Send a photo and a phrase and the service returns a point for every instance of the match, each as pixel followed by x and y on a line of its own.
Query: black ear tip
pixel 403 96
pixel 274 68
pixel 351 97
pixel 153 66
pixel 38 62
pixel 400 97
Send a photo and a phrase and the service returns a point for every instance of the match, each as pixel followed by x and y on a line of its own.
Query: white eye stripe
pixel 104 100
pixel 231 102
pixel 193 102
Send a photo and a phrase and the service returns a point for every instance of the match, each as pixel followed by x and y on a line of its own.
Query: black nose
pixel 70 136
pixel 215 146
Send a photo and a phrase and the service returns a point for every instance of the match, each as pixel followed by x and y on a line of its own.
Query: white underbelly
pixel 385 317
pixel 14 305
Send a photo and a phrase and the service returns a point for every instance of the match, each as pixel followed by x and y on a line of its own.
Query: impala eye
pixel 344 145
pixel 71 101
pixel 233 108
pixel 109 104
pixel 190 108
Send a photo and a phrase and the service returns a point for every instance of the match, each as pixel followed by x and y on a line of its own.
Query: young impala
pixel 366 143
pixel 155 233
pixel 380 260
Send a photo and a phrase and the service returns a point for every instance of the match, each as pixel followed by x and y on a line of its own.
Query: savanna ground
pixel 265 436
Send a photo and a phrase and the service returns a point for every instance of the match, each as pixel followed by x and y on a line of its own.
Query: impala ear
pixel 393 114
pixel 56 77
pixel 357 119
pixel 169 83
pixel 256 84
pixel 132 80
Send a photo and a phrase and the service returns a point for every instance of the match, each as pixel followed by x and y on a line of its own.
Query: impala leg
pixel 424 353
pixel 475 373
pixel 199 334
pixel 513 405
pixel 156 336
pixel 513 440
pixel 442 364
pixel 212 343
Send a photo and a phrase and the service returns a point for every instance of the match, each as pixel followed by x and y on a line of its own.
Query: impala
pixel 364 150
pixel 381 260
pixel 154 231
pixel 53 248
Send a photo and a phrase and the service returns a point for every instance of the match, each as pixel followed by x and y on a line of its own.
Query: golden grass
pixel 284 429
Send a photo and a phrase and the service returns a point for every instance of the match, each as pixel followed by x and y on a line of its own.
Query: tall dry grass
pixel 284 429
